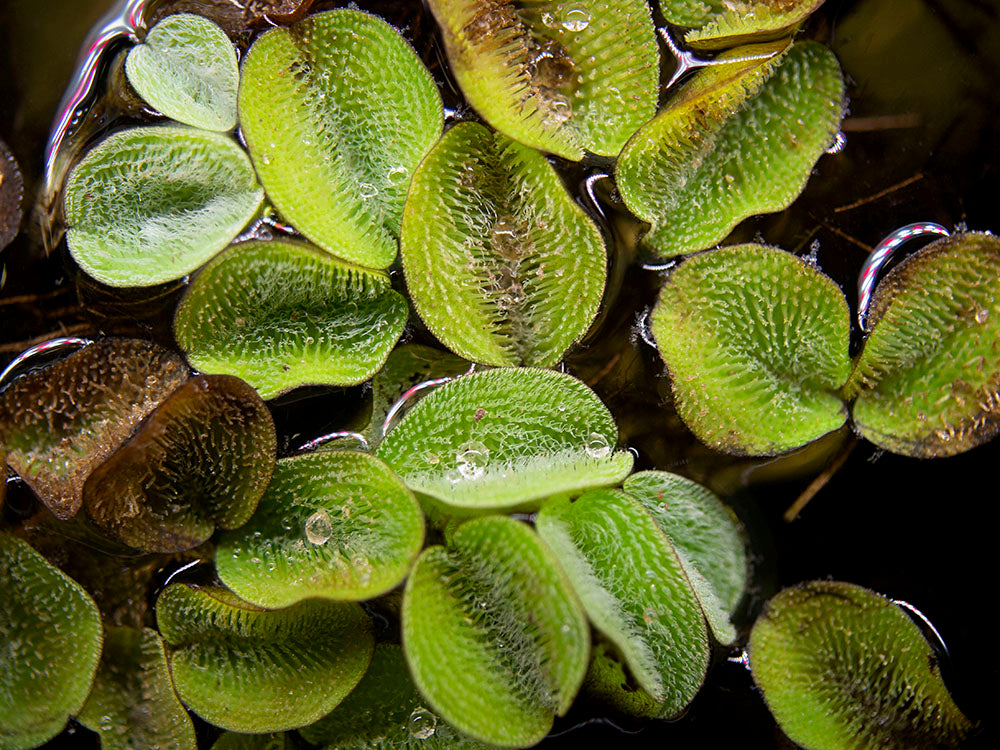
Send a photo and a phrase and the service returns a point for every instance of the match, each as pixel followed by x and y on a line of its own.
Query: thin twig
pixel 820 482
pixel 881 193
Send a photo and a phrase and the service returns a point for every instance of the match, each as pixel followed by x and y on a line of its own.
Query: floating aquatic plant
pixel 11 196
pixel 726 23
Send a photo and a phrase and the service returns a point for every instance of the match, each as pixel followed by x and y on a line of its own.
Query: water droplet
pixel 318 527
pixel 265 158
pixel 576 19
pixel 422 723
pixel 472 458
pixel 982 315
pixel 549 19
pixel 367 190
pixel 432 458
pixel 597 446
pixel 397 175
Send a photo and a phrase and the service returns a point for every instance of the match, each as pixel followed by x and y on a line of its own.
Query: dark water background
pixel 922 143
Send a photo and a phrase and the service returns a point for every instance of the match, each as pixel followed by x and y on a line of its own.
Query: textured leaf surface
pixel 505 439
pixel 186 69
pixel 59 423
pixel 844 668
pixel 559 77
pixel 333 524
pixel 11 196
pixel 202 460
pixel 502 265
pixel 708 539
pixel 282 314
pixel 729 23
pixel 494 636
pixel 634 590
pixel 270 741
pixel 736 141
pixel 385 712
pixel 50 642
pixel 755 341
pixel 133 704
pixel 251 670
pixel 928 380
pixel 151 204
pixel 338 111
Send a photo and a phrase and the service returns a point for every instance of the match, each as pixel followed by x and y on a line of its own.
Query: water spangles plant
pixel 718 24
pixel 501 264
pixel 843 667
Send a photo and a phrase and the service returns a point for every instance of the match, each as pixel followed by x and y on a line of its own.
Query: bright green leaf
pixel 338 111
pixel 252 670
pixel 50 631
pixel 559 77
pixel 633 588
pixel 186 69
pixel 928 380
pixel 494 636
pixel 721 24
pixel 844 668
pixel 501 263
pixel 505 439
pixel 152 204
pixel 281 314
pixel 708 539
pixel 133 705
pixel 755 341
pixel 94 398
pixel 271 741
pixel 333 524
pixel 737 140
pixel 202 460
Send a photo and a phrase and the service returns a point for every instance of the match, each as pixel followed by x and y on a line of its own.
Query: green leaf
pixel 93 399
pixel 408 366
pixel 755 341
pixel 333 524
pixel 634 590
pixel 737 140
pixel 724 24
pixel 494 637
pixel 385 712
pixel 152 204
pixel 281 314
pixel 708 539
pixel 500 262
pixel 202 460
pixel 252 670
pixel 236 741
pixel 928 380
pixel 842 667
pixel 338 111
pixel 505 440
pixel 560 77
pixel 133 703
pixel 186 69
pixel 51 635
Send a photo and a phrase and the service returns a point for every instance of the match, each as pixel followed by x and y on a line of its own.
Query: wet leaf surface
pixel 60 423
pixel 560 77
pixel 322 105
pixel 494 636
pixel 755 342
pixel 728 24
pixel 281 314
pixel 843 667
pixel 51 635
pixel 202 460
pixel 505 439
pixel 251 670
pixel 501 264
pixel 11 196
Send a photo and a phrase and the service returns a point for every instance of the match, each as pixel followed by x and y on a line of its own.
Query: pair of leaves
pixel 739 139
pixel 841 666
pixel 281 314
pixel 724 23
pixel 247 669
pixel 121 429
pixel 560 77
pixel 756 344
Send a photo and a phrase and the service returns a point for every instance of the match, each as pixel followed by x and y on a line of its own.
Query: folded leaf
pixel 928 380
pixel 500 262
pixel 281 315
pixel 338 111
pixel 152 204
pixel 494 636
pixel 755 341
pixel 733 22
pixel 842 667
